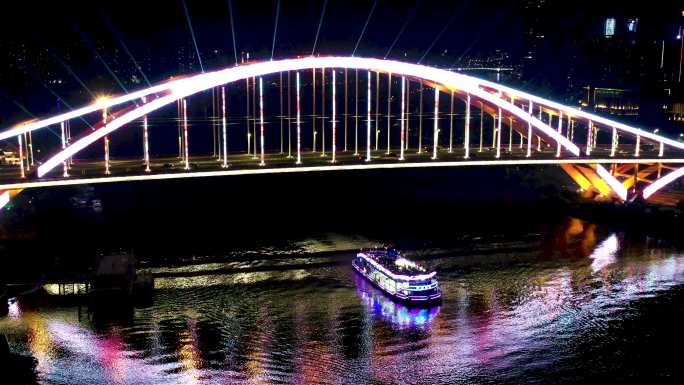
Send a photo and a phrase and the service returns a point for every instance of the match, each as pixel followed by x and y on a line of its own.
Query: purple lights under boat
pixel 397 276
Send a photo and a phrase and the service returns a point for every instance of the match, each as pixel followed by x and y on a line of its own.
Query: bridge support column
pixel 356 114
pixel 466 138
pixel 407 119
pixel 539 142
pixel 498 134
pixel 65 173
pixel 510 134
pixel 481 125
pixel 30 148
pixel 368 120
pixel 214 153
pixel 389 109
pixel 223 127
pixel 435 129
pixel 179 114
pixel 614 142
pixel 590 129
pixel 22 172
pixel 451 123
pixel 560 132
pixel 637 146
pixel 571 123
pixel 334 122
pixel 529 131
pixel 299 128
pixel 402 118
pixel 67 126
pixel 660 150
pixel 254 129
pixel 282 128
pixel 323 122
pixel 185 135
pixel 106 155
pixel 146 145
pixel 289 115
pixel 420 120
pixel 261 120
pixel 313 114
pixel 346 112
pixel 247 116
pixel 106 143
pixel 28 163
pixel 493 132
pixel 377 110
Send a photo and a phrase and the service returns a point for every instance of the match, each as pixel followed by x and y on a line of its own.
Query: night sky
pixel 60 41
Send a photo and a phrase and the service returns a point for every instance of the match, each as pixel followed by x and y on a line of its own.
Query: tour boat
pixel 397 276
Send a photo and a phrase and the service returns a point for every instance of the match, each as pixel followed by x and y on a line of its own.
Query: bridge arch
pixel 177 89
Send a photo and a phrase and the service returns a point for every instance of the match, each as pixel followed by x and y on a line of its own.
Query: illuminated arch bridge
pixel 468 121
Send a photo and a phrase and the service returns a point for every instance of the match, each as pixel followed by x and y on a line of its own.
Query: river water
pixel 572 303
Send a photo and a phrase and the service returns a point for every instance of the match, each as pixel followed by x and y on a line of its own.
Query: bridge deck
pixel 92 171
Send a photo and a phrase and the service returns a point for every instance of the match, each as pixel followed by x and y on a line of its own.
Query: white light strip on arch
pixel 4 198
pixel 614 184
pixel 105 130
pixel 188 86
pixel 98 105
pixel 662 182
pixel 574 112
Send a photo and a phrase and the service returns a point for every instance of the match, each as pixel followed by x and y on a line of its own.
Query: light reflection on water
pixel 395 313
pixel 505 315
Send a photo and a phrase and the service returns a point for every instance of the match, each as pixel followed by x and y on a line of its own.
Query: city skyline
pixel 55 61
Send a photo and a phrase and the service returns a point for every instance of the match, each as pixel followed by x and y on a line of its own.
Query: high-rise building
pixel 609 28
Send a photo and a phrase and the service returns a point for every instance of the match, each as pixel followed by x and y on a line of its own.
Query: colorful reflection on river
pixel 384 308
pixel 557 306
